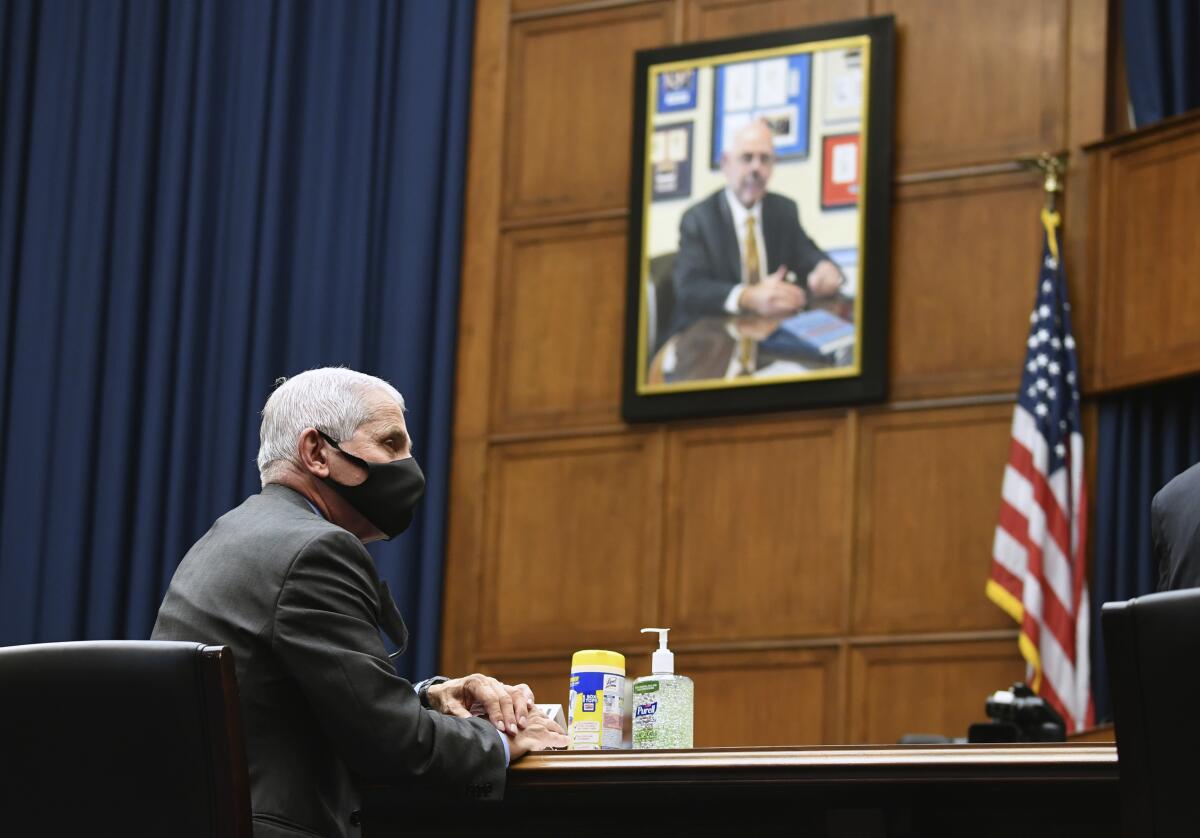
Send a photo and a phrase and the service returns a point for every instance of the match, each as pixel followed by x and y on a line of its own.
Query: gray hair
pixel 330 399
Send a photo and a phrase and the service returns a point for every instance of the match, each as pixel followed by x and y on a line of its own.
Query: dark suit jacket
pixel 300 602
pixel 709 263
pixel 1175 529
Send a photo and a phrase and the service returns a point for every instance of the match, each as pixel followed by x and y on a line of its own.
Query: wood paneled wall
pixel 822 572
pixel 1146 202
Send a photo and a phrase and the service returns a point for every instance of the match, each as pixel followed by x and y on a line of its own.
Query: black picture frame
pixel 772 379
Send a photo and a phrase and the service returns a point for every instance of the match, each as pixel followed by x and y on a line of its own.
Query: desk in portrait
pixel 749 346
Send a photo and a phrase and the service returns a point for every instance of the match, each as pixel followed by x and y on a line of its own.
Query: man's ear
pixel 313 453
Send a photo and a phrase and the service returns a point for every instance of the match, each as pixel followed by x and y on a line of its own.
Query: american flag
pixel 1038 568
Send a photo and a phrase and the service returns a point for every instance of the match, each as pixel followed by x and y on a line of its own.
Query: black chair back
pixel 121 738
pixel 1153 648
pixel 661 302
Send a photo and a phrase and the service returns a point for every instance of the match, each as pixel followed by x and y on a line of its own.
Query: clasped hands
pixel 510 709
pixel 774 296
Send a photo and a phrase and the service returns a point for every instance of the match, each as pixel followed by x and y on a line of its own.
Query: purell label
pixel 646 709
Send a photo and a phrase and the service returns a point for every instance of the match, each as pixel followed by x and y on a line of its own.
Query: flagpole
pixel 1038 575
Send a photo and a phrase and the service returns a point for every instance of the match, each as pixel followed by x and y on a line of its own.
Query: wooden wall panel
pixel 570 81
pixel 709 19
pixel 560 319
pixel 978 81
pixel 928 496
pixel 926 688
pixel 964 276
pixel 573 558
pixel 758 530
pixel 550 679
pixel 765 698
pixel 1148 194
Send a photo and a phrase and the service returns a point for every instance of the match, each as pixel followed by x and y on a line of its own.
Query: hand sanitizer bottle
pixel 662 702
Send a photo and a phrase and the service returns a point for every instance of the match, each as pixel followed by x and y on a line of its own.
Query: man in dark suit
pixel 742 249
pixel 285 581
pixel 1175 530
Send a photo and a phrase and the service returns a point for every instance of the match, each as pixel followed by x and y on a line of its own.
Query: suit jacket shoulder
pixel 1175 528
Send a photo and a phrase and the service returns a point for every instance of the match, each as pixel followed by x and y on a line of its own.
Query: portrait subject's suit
pixel 300 602
pixel 1175 529
pixel 709 263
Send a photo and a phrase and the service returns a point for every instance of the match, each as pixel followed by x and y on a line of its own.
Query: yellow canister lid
pixel 591 658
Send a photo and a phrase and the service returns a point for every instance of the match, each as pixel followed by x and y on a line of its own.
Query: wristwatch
pixel 422 688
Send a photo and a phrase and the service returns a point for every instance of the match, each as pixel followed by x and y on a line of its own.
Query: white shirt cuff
pixel 731 302
pixel 507 749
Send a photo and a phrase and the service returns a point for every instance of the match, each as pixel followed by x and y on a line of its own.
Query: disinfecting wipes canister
pixel 595 705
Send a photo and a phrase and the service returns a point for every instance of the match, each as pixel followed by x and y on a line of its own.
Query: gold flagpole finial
pixel 1052 167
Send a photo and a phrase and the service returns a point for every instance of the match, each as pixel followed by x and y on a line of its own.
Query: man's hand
pixel 773 297
pixel 506 707
pixel 540 733
pixel 824 279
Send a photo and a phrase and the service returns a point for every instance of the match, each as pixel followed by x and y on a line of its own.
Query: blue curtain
pixel 196 198
pixel 1161 57
pixel 1149 435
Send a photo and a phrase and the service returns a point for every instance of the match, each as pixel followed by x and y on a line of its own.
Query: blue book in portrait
pixel 815 332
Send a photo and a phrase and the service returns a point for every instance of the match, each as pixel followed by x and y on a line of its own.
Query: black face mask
pixel 388 495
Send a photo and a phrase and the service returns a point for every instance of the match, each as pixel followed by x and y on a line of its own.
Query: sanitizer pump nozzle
pixel 663 660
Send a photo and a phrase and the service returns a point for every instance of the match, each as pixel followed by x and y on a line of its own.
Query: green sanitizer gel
pixel 662 702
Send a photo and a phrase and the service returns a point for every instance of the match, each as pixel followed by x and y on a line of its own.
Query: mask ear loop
pixel 358 461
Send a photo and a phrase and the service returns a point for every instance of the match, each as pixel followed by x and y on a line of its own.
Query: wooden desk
pixel 962 790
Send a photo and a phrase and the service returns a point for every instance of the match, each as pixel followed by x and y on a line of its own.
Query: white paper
pixel 847 91
pixel 772 82
pixel 739 87
pixel 658 148
pixel 733 123
pixel 843 85
pixel 778 368
pixel 845 163
pixel 850 286
pixel 677 150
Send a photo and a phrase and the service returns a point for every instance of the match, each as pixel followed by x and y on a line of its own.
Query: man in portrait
pixel 742 249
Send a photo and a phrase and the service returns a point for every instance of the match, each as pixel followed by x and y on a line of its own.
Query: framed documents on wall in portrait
pixel 758 279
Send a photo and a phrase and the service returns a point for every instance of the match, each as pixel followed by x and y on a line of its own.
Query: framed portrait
pixel 760 281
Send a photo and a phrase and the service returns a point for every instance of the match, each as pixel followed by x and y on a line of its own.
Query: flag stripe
pixel 1051 515
pixel 1020 498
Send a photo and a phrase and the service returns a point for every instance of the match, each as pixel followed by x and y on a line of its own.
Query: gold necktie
pixel 752 271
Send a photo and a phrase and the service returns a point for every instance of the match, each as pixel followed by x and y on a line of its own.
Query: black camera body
pixel 1018 715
